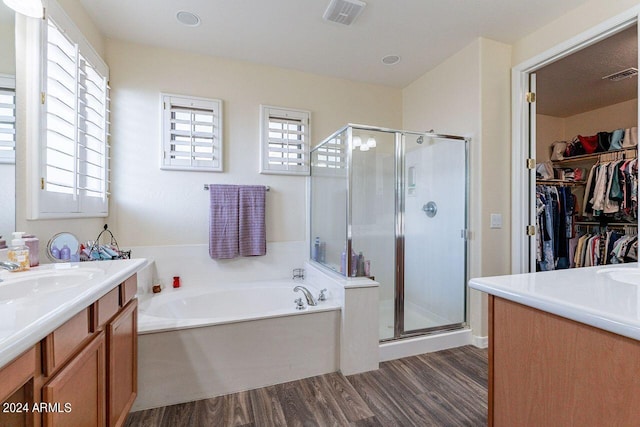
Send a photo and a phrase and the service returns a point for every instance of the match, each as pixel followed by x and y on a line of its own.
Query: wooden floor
pixel 447 388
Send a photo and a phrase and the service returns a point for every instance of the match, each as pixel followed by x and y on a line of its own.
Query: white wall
pixel 623 115
pixel 7 48
pixel 548 130
pixel 567 26
pixel 154 207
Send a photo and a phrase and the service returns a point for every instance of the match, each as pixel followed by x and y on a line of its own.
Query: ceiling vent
pixel 344 11
pixel 621 75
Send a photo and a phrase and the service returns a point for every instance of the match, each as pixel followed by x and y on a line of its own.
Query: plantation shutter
pixel 60 151
pixel 75 150
pixel 285 141
pixel 192 129
pixel 7 125
pixel 92 136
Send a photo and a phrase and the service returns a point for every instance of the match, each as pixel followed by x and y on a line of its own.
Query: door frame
pixel 522 187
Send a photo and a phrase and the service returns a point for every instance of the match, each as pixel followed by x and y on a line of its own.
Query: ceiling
pixel 292 33
pixel 574 84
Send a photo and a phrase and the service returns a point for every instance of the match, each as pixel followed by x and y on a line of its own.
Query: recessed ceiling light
pixel 391 60
pixel 187 18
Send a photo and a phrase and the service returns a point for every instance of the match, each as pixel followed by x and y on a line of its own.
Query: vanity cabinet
pixel 16 389
pixel 547 370
pixel 122 349
pixel 84 373
pixel 75 396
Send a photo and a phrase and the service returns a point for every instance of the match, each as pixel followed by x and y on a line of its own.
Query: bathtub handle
pixel 299 304
pixel 322 296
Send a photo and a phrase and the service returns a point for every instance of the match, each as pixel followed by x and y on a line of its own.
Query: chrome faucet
pixel 310 299
pixel 11 266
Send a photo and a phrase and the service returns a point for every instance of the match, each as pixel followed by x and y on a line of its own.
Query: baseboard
pixel 480 342
pixel 425 344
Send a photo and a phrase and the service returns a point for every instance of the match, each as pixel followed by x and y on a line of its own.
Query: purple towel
pixel 223 221
pixel 253 240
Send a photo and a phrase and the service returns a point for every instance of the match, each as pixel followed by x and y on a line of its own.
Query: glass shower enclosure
pixel 392 205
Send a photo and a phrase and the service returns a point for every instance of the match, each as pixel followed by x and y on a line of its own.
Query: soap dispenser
pixel 18 252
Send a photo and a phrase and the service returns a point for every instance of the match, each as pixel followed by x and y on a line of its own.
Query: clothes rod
pixel 266 187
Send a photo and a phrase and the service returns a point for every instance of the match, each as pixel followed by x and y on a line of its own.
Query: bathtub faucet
pixel 310 299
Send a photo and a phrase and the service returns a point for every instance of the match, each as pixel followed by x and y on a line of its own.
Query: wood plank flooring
pixel 446 388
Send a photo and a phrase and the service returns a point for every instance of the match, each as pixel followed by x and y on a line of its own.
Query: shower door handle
pixel 431 209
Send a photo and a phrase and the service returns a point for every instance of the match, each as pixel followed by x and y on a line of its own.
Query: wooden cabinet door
pixel 75 396
pixel 122 349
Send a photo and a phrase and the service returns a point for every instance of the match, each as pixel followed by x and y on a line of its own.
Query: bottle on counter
pixel 315 251
pixel 18 252
pixel 354 263
pixel 343 261
pixel 322 253
pixel 360 266
pixel 65 253
pixel 33 244
pixel 55 252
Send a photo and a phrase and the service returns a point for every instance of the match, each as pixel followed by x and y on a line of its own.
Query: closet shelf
pixel 607 224
pixel 628 153
pixel 559 182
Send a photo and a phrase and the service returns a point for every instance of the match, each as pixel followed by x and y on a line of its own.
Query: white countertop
pixel 32 305
pixel 606 297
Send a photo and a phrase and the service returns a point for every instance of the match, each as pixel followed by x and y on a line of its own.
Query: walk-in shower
pixel 392 205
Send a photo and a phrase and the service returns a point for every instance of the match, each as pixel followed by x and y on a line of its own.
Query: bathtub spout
pixel 310 299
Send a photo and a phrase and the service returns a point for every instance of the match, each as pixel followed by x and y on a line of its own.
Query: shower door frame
pixel 399 185
pixel 399 312
pixel 399 237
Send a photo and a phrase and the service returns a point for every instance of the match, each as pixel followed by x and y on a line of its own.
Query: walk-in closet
pixel 586 200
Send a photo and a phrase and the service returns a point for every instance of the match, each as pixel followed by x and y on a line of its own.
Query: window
pixel 191 133
pixel 75 120
pixel 7 120
pixel 284 139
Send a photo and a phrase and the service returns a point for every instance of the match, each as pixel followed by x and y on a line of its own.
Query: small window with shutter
pixel 7 120
pixel 191 133
pixel 285 135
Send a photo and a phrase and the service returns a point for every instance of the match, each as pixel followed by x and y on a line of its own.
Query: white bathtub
pixel 202 341
pixel 214 305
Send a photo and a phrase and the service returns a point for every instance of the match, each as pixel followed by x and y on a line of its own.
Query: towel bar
pixel 206 187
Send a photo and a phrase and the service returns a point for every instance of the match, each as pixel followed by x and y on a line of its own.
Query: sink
pixel 41 283
pixel 625 275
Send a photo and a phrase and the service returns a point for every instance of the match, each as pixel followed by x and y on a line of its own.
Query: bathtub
pixel 199 341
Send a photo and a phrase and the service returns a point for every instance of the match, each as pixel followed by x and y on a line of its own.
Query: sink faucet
pixel 11 266
pixel 310 299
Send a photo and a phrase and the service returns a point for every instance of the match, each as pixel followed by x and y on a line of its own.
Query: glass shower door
pixel 434 225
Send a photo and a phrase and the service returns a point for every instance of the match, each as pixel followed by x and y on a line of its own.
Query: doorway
pixel 549 116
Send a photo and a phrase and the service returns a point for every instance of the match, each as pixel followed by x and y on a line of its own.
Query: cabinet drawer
pixel 17 373
pixel 128 290
pixel 107 306
pixel 65 341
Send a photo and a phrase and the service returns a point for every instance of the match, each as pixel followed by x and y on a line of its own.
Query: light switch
pixel 496 220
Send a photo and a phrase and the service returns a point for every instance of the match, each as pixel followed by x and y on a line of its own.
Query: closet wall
pixel 548 128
